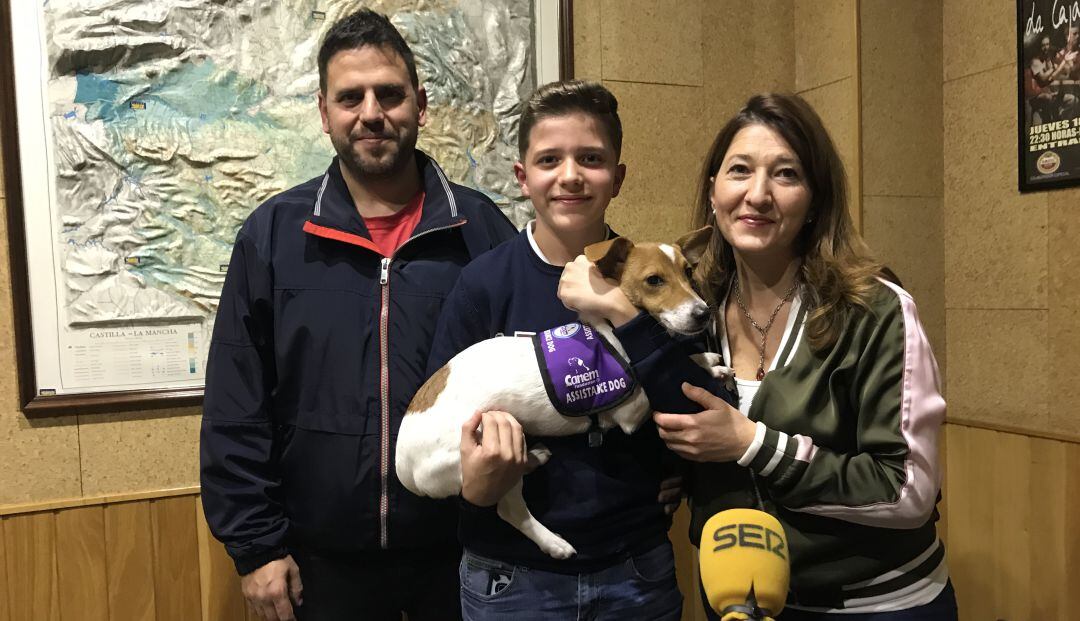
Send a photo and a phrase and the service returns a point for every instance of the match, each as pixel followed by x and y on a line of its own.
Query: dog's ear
pixel 610 256
pixel 694 244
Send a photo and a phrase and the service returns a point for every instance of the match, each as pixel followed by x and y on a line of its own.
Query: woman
pixel 839 406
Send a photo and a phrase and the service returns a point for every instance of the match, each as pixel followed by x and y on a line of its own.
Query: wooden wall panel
pixel 5 596
pixel 176 558
pixel 129 553
pixel 1011 503
pixel 30 547
pixel 221 596
pixel 81 564
pixel 1047 500
pixel 684 558
pixel 1014 511
pixel 1070 507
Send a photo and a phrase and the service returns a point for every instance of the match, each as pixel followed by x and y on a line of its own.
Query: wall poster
pixel 1048 76
pixel 138 136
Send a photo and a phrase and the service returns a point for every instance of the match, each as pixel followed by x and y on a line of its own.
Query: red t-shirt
pixel 389 232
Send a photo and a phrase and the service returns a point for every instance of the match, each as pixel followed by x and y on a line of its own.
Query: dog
pixel 579 364
pixel 656 278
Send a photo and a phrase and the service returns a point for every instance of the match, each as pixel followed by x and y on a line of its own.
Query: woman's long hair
pixel 837 267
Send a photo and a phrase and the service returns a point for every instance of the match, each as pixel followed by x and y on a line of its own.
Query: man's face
pixel 371 110
pixel 1045 46
pixel 1074 37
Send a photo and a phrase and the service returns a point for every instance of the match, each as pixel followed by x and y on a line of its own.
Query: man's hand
pixel 493 457
pixel 720 433
pixel 273 589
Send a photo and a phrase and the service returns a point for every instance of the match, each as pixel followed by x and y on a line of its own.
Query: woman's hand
pixel 493 457
pixel 719 433
pixel 583 289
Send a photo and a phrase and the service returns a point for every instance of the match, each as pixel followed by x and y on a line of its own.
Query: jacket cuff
pixel 777 457
pixel 250 562
pixel 755 446
pixel 468 507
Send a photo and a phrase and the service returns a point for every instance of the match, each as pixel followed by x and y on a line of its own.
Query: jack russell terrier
pixel 568 380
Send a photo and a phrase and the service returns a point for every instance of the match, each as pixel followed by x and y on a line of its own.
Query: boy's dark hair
pixel 364 27
pixel 567 97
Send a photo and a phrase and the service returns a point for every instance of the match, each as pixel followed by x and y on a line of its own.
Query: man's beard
pixel 392 154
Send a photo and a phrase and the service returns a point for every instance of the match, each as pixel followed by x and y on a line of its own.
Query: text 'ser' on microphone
pixel 744 565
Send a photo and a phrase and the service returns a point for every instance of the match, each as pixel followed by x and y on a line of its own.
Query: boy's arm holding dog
pixel 492 462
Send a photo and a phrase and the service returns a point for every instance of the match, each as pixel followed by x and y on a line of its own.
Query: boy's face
pixel 570 172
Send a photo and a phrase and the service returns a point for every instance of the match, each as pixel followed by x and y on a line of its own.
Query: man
pixel 322 336
pixel 1044 96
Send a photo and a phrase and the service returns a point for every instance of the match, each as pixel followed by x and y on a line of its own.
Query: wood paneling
pixel 221 597
pixel 129 554
pixel 1011 502
pixel 5 597
pixel 176 558
pixel 144 560
pixel 80 564
pixel 30 546
pixel 1014 512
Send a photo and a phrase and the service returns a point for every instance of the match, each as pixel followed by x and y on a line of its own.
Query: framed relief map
pixel 138 136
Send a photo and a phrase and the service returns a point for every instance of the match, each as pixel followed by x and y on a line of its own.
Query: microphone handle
pixel 745 612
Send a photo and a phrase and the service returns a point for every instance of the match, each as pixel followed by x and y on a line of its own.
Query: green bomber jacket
pixel 846 457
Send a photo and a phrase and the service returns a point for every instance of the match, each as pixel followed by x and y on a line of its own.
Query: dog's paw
pixel 538 456
pixel 713 363
pixel 557 547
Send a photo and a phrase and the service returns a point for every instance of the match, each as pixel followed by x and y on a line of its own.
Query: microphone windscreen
pixel 744 552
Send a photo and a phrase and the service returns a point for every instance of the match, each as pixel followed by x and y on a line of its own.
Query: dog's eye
pixel 689 273
pixel 654 281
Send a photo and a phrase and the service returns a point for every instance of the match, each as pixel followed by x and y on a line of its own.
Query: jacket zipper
pixel 384 397
pixel 384 389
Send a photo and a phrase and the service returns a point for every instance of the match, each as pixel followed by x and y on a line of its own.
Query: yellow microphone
pixel 744 565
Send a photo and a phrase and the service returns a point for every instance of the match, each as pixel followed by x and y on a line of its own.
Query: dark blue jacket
pixel 319 345
pixel 602 500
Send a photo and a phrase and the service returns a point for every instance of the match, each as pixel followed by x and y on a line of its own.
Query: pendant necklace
pixel 764 332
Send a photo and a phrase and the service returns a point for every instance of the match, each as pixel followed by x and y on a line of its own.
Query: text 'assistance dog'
pixel 576 394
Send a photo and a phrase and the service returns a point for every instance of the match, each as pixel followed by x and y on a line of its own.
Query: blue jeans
pixel 642 587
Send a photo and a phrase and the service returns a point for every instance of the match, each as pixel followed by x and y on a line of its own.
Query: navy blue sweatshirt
pixel 602 500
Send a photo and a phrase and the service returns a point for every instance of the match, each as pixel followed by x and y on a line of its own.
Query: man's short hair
pixel 567 97
pixel 364 27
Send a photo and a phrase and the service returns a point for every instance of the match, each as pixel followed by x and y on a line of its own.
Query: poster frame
pixel 1024 173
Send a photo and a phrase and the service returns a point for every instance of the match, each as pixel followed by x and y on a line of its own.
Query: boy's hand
pixel 671 493
pixel 583 289
pixel 493 457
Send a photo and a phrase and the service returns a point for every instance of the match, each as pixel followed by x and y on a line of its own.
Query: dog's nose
pixel 700 314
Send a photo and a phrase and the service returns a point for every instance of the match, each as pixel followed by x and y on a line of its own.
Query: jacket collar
pixel 334 214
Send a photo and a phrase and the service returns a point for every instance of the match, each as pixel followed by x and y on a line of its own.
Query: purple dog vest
pixel 582 372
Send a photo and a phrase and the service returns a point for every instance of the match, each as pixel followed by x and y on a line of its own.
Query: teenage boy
pixel 324 328
pixel 601 499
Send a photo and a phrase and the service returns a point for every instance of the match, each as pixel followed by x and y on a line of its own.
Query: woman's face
pixel 760 195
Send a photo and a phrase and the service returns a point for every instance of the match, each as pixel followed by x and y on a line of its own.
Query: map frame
pixel 553 51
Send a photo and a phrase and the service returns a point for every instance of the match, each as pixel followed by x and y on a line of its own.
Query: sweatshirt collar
pixel 334 209
pixel 536 248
